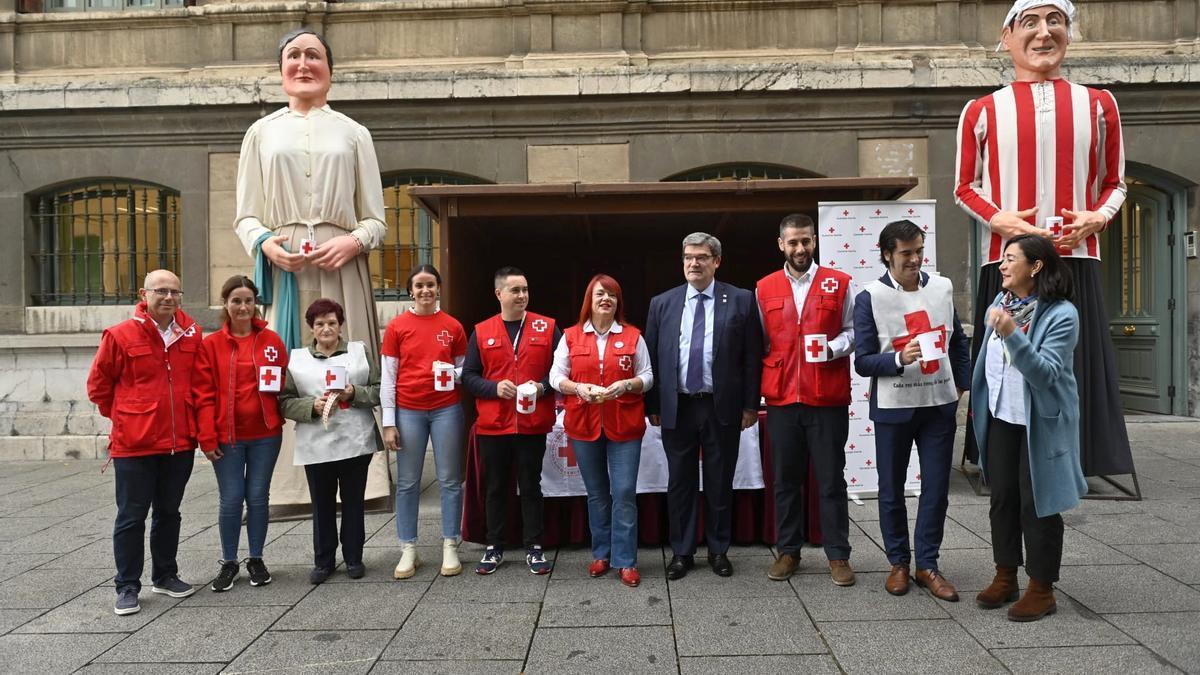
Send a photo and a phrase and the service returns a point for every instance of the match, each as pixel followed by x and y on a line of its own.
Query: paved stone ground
pixel 1129 599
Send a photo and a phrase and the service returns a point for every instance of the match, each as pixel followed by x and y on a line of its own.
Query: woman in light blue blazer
pixel 1025 408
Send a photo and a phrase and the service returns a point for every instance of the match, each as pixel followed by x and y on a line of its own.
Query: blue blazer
pixel 870 362
pixel 1046 359
pixel 737 353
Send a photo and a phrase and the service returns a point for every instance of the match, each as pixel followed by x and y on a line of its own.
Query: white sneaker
pixel 408 561
pixel 451 565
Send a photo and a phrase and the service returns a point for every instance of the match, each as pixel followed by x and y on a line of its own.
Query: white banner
pixel 560 472
pixel 849 241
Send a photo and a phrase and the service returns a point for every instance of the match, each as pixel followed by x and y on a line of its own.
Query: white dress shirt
pixel 561 370
pixel 307 170
pixel 685 335
pixel 1006 384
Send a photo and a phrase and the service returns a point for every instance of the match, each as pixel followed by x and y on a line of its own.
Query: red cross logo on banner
pixel 330 378
pixel 831 230
pixel 868 429
pixel 852 414
pixel 869 462
pixel 846 246
pixel 925 228
pixel 862 261
pixel 862 228
pixel 539 326
pixel 567 452
pixel 845 213
pixel 910 212
pixel 267 377
pixel 852 447
pixel 444 338
pixel 444 378
pixel 625 362
pixel 270 353
pixel 878 212
pixel 306 247
pixel 854 480
pixel 525 403
pixel 829 285
pixel 815 348
pixel 918 323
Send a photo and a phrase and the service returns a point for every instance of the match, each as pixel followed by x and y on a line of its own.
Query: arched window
pixel 97 239
pixel 412 239
pixel 739 171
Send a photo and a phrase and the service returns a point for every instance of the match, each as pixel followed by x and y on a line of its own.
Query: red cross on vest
pixel 444 338
pixel 444 378
pixel 267 377
pixel 917 323
pixel 567 452
pixel 829 285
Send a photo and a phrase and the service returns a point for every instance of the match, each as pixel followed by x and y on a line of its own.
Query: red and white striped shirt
pixel 1054 145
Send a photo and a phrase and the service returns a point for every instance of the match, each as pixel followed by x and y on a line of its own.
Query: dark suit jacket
pixel 869 362
pixel 737 353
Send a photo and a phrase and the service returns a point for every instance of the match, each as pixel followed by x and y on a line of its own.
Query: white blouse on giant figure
pixel 307 170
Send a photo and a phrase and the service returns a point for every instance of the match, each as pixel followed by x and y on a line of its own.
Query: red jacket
pixel 215 390
pixel 623 419
pixel 787 377
pixel 498 416
pixel 144 387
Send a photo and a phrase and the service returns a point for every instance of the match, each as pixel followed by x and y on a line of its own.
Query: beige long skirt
pixel 350 286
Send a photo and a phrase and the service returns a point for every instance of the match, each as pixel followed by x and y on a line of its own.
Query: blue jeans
pixel 447 428
pixel 610 471
pixel 244 475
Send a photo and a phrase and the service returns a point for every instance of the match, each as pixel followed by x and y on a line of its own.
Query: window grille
pixel 740 172
pixel 412 238
pixel 98 239
pixel 108 5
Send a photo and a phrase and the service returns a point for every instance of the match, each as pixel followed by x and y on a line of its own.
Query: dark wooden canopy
pixel 562 234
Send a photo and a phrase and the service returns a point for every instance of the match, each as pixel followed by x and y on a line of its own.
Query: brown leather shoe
pixel 783 568
pixel 1003 589
pixel 897 580
pixel 1037 602
pixel 937 585
pixel 842 573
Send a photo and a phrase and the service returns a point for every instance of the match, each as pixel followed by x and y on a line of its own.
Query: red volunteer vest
pixel 621 420
pixel 787 377
pixel 498 416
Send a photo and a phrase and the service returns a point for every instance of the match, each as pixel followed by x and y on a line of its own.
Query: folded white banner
pixel 560 472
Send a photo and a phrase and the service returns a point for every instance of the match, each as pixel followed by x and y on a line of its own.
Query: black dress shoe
pixel 319 575
pixel 719 562
pixel 679 566
pixel 356 570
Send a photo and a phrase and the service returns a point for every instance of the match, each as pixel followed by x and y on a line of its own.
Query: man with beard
pixel 808 325
pixel 1042 148
pixel 914 397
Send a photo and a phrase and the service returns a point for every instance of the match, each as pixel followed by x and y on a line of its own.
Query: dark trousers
pixel 1012 512
pixel 153 481
pixel 696 426
pixel 933 430
pixel 325 480
pixel 499 455
pixel 799 433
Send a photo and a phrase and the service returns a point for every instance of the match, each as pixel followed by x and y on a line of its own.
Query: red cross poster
pixel 848 240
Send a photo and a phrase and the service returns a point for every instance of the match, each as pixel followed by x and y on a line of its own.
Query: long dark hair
pixel 1054 281
pixel 232 284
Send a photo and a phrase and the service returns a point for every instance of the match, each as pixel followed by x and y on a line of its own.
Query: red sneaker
pixel 630 577
pixel 598 568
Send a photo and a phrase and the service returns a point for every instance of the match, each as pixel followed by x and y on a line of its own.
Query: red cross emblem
pixel 852 446
pixel 854 480
pixel 831 230
pixel 815 348
pixel 852 413
pixel 539 326
pixel 926 261
pixel 869 462
pixel 525 403
pixel 330 378
pixel 878 212
pixel 833 263
pixel 443 378
pixel 868 430
pixel 845 213
pixel 268 376
pixel 567 452
pixel 910 212
pixel 829 285
pixel 918 476
pixel 306 247
pixel 625 362
pixel 925 228
pixel 862 228
pixel 846 246
pixel 1056 229
pixel 917 323
pixel 270 353
pixel 862 261
pixel 444 338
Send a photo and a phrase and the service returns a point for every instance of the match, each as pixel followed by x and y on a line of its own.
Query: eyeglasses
pixel 166 292
pixel 702 259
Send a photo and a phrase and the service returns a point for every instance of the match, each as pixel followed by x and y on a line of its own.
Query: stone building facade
pixel 145 104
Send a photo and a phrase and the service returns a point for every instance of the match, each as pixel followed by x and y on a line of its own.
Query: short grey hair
pixel 704 239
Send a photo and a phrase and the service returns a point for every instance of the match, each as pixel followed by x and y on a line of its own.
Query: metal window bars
pixel 740 172
pixel 98 239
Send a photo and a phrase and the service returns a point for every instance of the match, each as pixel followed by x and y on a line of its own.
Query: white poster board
pixel 848 240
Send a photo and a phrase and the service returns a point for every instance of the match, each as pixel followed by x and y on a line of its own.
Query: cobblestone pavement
pixel 1129 598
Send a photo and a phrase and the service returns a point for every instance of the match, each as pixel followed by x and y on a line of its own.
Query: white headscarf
pixel 1065 6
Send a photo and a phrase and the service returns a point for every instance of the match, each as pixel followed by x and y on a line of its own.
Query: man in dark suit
pixel 914 397
pixel 705 346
